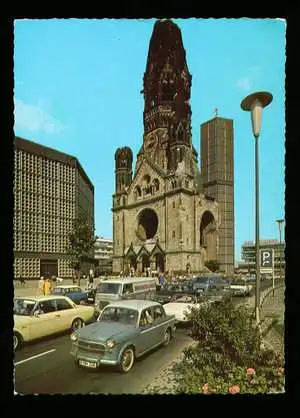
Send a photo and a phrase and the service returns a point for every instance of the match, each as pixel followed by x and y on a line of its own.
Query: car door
pixel 65 314
pixel 43 322
pixel 158 323
pixel 148 337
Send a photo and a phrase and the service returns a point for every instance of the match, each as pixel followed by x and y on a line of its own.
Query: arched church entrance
pixel 159 263
pixel 133 262
pixel 145 262
pixel 208 235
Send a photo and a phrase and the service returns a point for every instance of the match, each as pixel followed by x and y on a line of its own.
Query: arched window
pixel 156 185
pixel 180 134
pixel 137 192
pixel 147 188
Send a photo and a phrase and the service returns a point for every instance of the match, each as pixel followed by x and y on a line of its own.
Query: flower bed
pixel 229 356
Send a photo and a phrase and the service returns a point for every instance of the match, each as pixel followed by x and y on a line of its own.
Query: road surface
pixel 47 367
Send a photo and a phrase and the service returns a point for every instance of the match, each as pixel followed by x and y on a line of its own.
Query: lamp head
pixel 255 103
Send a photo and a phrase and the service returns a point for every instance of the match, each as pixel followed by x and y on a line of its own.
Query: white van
pixel 124 288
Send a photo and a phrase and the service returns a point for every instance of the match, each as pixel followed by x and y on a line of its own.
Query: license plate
pixel 90 299
pixel 91 364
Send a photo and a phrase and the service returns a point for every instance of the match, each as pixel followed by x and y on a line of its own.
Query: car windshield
pixel 114 288
pixel 58 290
pixel 24 306
pixel 120 315
pixel 202 280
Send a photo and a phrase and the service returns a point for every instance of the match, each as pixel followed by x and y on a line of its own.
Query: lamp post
pixel 255 103
pixel 280 222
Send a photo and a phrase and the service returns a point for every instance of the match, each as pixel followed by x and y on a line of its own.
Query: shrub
pixel 228 357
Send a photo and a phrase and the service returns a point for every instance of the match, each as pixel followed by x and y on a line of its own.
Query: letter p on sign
pixel 266 258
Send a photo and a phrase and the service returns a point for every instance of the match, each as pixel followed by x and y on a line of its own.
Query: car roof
pixel 66 286
pixel 137 304
pixel 41 298
pixel 129 280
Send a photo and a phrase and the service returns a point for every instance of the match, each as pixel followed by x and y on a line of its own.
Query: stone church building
pixel 162 216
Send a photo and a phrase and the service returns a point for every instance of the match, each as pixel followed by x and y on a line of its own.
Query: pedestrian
pixel 41 285
pixel 91 281
pixel 47 287
pixel 161 281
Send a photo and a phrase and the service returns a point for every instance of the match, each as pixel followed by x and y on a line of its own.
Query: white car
pixel 181 306
pixel 241 289
pixel 40 316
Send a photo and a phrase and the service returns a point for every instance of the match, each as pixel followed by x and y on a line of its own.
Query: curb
pixel 162 379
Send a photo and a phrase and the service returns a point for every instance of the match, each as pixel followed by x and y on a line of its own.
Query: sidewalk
pixel 31 287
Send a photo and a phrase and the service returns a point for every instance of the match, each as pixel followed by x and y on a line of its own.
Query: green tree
pixel 212 265
pixel 81 242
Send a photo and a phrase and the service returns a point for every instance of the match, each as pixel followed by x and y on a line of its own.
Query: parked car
pixel 168 292
pixel 180 306
pixel 208 284
pixel 240 288
pixel 124 331
pixel 36 317
pixel 75 293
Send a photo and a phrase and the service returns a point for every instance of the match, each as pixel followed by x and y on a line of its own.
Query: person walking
pixel 41 285
pixel 47 287
pixel 91 282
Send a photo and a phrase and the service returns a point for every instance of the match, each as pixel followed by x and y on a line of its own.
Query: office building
pixel 50 189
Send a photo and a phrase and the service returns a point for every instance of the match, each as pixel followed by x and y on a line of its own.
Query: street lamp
pixel 255 103
pixel 280 222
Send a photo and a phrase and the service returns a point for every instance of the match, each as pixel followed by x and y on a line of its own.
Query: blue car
pixel 75 293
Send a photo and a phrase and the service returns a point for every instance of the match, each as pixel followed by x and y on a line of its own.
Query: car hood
pixel 103 330
pixel 173 307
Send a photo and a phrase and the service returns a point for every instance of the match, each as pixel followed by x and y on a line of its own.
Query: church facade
pixel 161 217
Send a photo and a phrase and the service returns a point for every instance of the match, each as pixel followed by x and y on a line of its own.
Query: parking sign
pixel 266 259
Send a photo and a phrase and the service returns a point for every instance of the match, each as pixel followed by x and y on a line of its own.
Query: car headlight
pixel 110 343
pixel 74 337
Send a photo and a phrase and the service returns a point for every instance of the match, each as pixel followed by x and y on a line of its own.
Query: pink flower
pixel 205 388
pixel 234 389
pixel 250 372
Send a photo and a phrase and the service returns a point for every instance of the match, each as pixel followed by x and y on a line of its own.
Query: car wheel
pixel 76 324
pixel 127 360
pixel 167 338
pixel 17 341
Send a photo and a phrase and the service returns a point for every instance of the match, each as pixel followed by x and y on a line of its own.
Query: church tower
pixel 123 172
pixel 167 112
pixel 161 218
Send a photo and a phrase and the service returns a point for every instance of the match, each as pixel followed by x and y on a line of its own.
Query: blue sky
pixel 77 89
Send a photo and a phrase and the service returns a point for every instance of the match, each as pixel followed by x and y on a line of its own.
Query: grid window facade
pixel 47 193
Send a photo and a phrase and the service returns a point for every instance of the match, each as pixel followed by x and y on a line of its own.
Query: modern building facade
pixel 217 169
pixel 103 253
pixel 248 255
pixel 50 188
pixel 162 216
